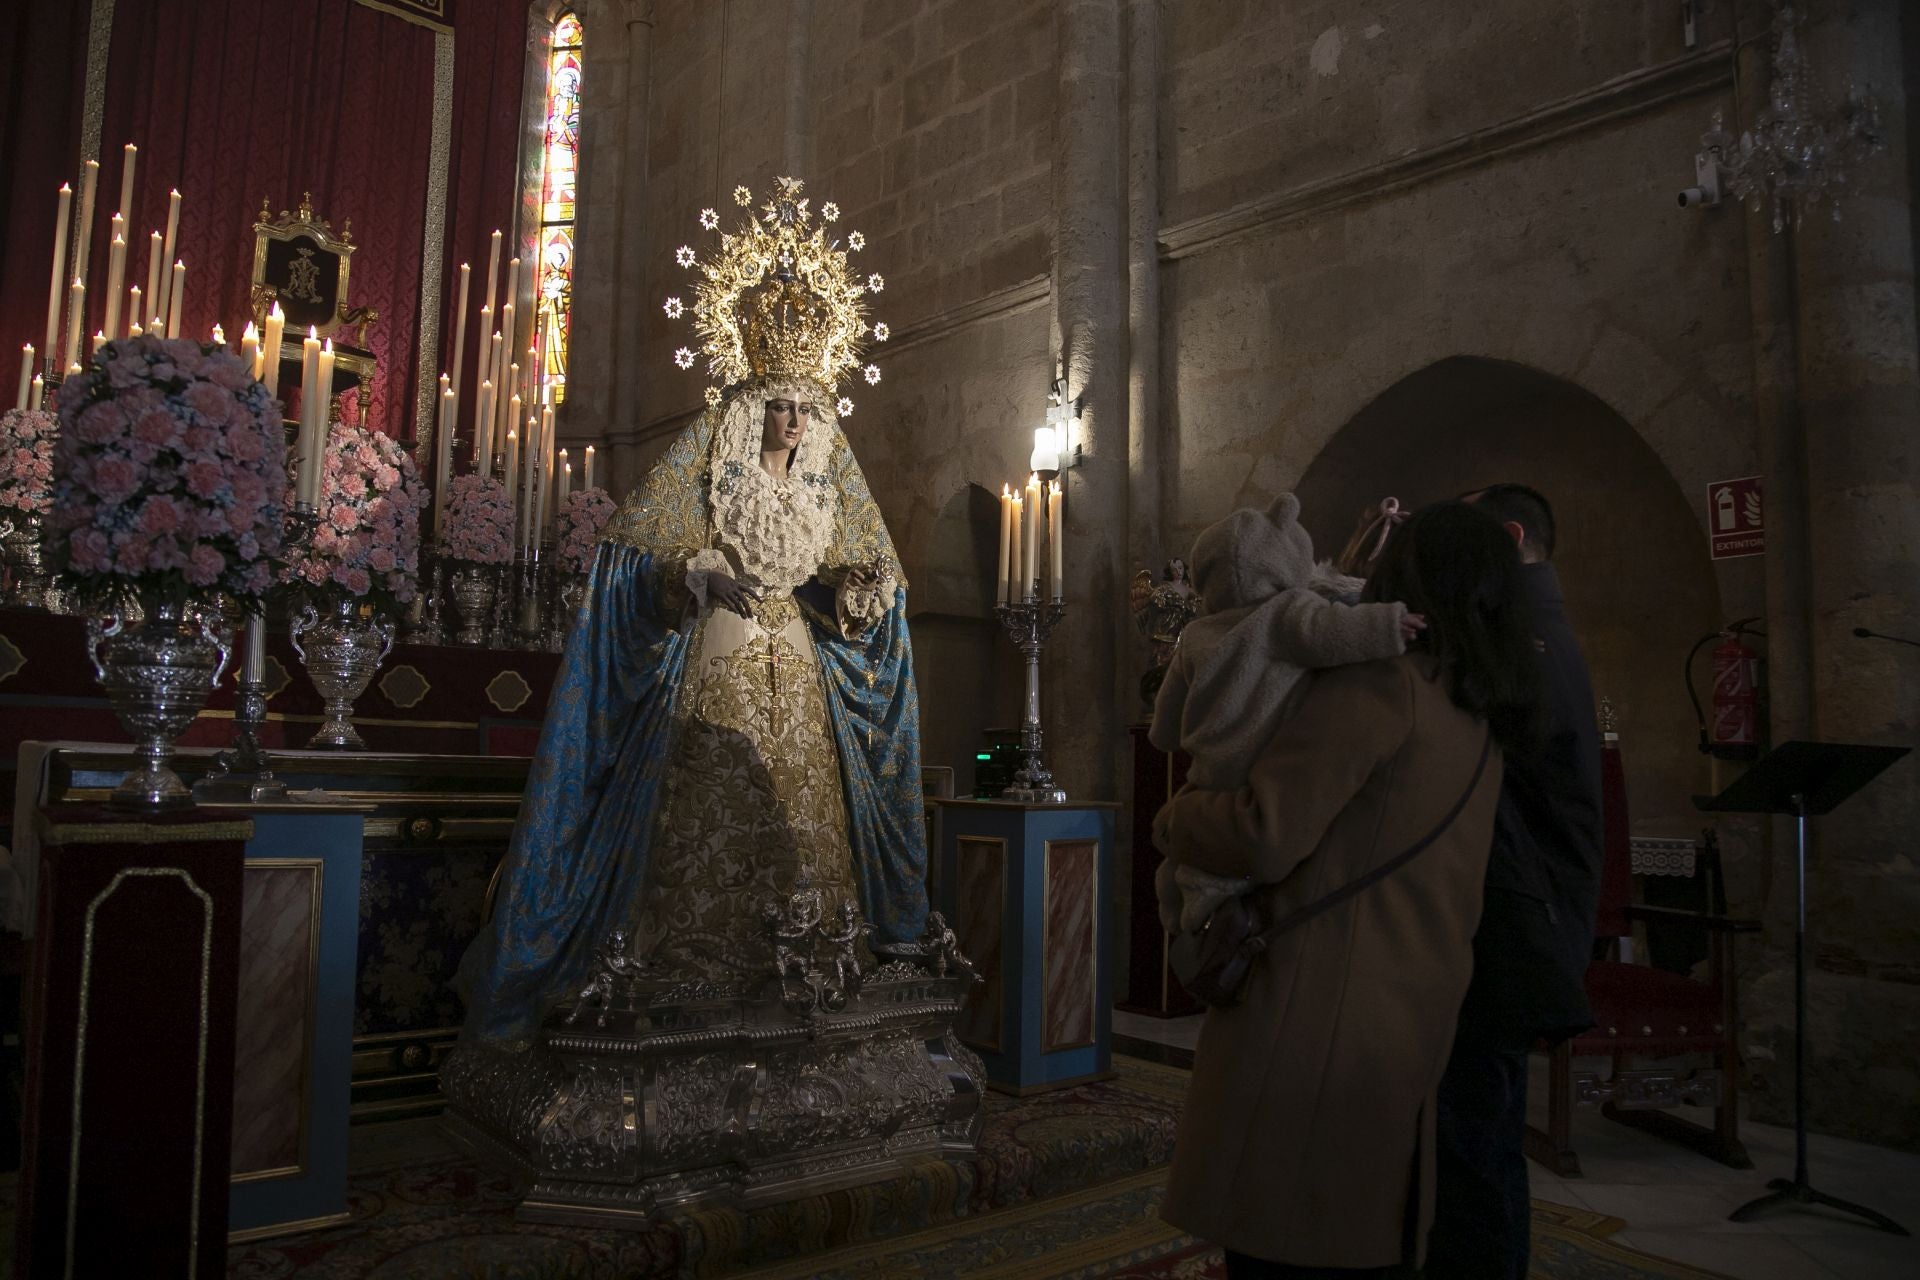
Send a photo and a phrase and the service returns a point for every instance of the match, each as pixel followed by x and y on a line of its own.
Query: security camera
pixel 1706 177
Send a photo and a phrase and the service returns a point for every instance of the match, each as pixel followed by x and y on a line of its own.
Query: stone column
pixel 1085 700
pixel 1146 470
pixel 797 152
pixel 1859 369
pixel 628 407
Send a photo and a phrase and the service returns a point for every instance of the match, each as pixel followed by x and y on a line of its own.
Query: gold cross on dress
pixel 773 659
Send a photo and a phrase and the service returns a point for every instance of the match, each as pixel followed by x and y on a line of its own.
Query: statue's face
pixel 785 425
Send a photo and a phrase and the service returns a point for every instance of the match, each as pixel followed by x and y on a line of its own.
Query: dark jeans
pixel 1482 1224
pixel 1242 1267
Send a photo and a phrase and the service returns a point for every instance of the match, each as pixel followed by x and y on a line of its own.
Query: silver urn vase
pixel 157 673
pixel 27 582
pixel 341 644
pixel 473 590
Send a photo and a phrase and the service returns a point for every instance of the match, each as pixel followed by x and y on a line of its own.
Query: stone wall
pixel 1353 250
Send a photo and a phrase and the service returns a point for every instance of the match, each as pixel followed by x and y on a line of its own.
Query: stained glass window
pixel 559 171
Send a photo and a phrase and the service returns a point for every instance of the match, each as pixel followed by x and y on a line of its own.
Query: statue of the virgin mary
pixel 735 717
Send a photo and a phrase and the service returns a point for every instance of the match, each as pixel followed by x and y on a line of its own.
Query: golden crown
pixel 778 300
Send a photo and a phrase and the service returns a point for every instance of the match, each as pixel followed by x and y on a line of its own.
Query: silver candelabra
pixel 1030 622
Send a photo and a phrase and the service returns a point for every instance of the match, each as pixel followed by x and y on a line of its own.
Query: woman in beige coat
pixel 1306 1148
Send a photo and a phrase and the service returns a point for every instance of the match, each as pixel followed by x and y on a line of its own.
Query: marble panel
pixel 982 885
pixel 279 923
pixel 1068 906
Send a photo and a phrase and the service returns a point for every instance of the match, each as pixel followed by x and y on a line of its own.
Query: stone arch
pixel 1632 558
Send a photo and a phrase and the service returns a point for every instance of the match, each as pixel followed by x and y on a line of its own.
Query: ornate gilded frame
pixel 327 266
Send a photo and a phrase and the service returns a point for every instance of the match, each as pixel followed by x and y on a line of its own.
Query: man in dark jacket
pixel 1535 937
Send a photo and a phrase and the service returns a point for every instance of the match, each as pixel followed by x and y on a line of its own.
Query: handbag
pixel 1213 963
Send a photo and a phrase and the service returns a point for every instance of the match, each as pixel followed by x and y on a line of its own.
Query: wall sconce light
pixel 1056 446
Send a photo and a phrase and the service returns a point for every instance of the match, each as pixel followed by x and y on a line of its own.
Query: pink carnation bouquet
pixel 582 516
pixel 479 521
pixel 168 474
pixel 367 541
pixel 26 460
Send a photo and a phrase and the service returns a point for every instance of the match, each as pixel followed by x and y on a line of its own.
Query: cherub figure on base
pixel 611 964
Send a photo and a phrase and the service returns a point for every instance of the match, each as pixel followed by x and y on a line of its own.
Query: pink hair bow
pixel 1390 516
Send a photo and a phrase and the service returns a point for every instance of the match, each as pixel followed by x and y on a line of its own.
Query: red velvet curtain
pixel 233 100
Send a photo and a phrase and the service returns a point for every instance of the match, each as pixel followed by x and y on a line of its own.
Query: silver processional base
pixel 642 1098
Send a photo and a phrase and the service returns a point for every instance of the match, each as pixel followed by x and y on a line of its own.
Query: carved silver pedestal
pixel 644 1096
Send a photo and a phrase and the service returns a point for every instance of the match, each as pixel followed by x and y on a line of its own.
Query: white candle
pixel 116 274
pixel 529 376
pixel 83 233
pixel 309 410
pixel 58 282
pixel 587 478
pixel 1057 562
pixel 443 462
pixel 1006 537
pixel 26 376
pixel 510 474
pixel 566 482
pixel 219 336
pixel 1014 549
pixel 460 324
pixel 1030 567
pixel 162 305
pixel 493 275
pixel 270 351
pixel 134 330
pixel 250 349
pixel 506 406
pixel 128 156
pixel 174 292
pixel 482 429
pixel 76 316
pixel 323 424
pixel 546 484
pixel 99 341
pixel 513 292
pixel 536 433
pixel 156 255
pixel 133 312
pixel 39 395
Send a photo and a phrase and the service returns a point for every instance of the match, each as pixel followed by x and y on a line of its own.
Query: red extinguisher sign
pixel 1736 520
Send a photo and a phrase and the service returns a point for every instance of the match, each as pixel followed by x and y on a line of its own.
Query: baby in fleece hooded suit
pixel 1271 615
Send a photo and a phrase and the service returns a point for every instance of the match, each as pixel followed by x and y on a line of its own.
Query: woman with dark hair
pixel 1306 1147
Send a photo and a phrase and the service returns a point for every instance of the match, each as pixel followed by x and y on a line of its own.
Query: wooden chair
pixel 1641 1012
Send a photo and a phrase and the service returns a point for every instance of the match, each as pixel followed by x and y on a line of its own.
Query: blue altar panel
pixel 300 908
pixel 1028 889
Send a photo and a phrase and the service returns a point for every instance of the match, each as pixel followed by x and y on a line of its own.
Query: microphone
pixel 1865 634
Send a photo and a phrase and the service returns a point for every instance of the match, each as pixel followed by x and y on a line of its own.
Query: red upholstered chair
pixel 1641 1012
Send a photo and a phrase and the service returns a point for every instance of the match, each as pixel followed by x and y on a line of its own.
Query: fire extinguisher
pixel 1733 731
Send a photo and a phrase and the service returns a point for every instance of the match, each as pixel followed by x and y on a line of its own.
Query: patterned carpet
pixel 1066 1184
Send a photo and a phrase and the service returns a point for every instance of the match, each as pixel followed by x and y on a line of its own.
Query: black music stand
pixel 1805 779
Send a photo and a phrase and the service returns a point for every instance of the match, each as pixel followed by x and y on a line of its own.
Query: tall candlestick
pixel 566 482
pixel 546 485
pixel 483 430
pixel 250 349
pixel 460 324
pixel 1056 562
pixel 116 274
pixel 506 401
pixel 587 477
pixel 58 282
pixel 513 290
pixel 530 376
pixel 83 231
pixel 536 431
pixel 39 393
pixel 506 333
pixel 128 156
pixel 156 258
pixel 76 316
pixel 133 312
pixel 174 292
pixel 270 350
pixel 1030 566
pixel 309 409
pixel 26 375
pixel 443 461
pixel 493 274
pixel 315 456
pixel 162 305
pixel 1002 577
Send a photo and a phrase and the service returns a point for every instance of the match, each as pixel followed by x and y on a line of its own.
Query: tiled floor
pixel 1675 1203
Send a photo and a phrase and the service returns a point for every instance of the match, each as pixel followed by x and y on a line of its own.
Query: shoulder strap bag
pixel 1213 963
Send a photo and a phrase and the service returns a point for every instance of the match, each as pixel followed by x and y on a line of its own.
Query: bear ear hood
pixel 1252 555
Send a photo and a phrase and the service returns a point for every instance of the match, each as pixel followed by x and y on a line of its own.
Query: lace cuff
pixel 699 565
pixel 856 609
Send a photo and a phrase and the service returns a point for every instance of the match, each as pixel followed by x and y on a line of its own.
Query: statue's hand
pixel 724 591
